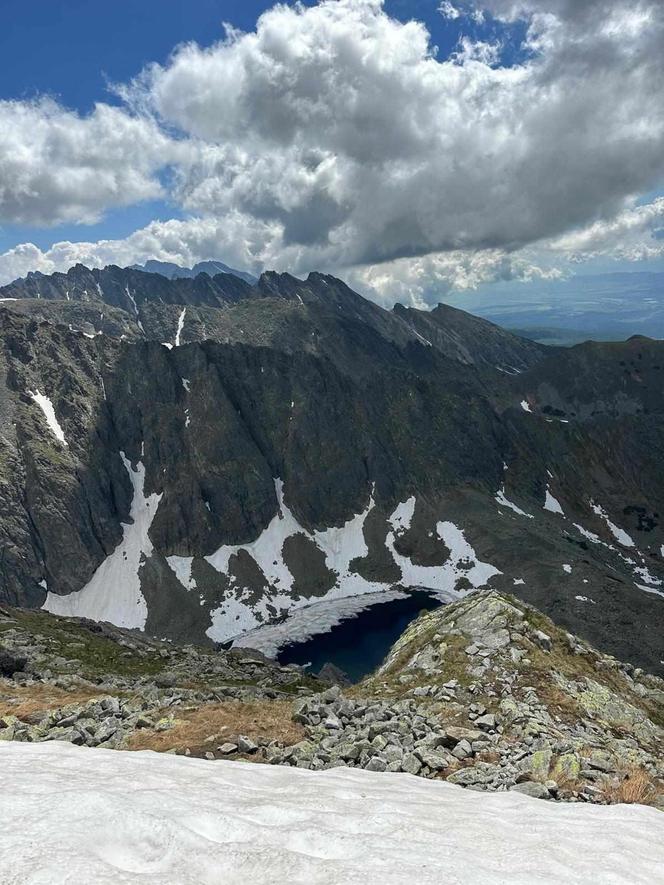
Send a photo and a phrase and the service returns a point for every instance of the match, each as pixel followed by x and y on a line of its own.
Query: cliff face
pixel 198 456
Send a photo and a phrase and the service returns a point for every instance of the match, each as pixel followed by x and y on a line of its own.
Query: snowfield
pixel 71 815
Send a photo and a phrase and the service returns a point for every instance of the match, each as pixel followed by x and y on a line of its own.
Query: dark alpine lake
pixel 359 644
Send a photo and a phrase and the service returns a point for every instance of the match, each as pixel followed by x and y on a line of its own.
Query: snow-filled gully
pixel 113 593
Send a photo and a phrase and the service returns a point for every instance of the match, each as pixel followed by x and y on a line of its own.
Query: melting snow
pixel 114 592
pixel 519 582
pixel 463 562
pixel 266 550
pixel 181 565
pixel 135 306
pixel 76 814
pixel 643 574
pixel 340 545
pixel 304 623
pixel 585 599
pixel 619 534
pixel 424 340
pixel 525 406
pixel 504 502
pixel 402 517
pixel 180 327
pixel 567 569
pixel 551 504
pixel 650 590
pixel 591 536
pixel 46 406
pixel 186 384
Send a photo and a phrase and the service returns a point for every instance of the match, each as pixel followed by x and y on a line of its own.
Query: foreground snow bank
pixel 71 814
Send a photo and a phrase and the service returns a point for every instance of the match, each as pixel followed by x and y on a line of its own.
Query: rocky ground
pixel 486 693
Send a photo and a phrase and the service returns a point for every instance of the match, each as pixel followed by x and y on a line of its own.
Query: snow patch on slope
pixel 619 534
pixel 341 545
pixel 590 536
pixel 643 573
pixel 114 592
pixel 267 549
pixel 181 566
pixel 505 502
pixel 46 406
pixel 180 327
pixel 402 517
pixel 650 590
pixel 462 562
pixel 135 306
pixel 191 821
pixel 552 504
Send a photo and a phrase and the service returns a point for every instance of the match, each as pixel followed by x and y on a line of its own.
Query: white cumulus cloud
pixel 333 138
pixel 57 166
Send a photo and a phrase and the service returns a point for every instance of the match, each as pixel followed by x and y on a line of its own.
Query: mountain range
pixel 198 457
pixel 177 272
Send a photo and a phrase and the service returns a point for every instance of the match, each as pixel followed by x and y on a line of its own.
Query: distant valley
pixel 606 307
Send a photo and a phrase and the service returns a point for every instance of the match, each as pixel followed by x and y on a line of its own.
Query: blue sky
pixel 73 48
pixel 438 229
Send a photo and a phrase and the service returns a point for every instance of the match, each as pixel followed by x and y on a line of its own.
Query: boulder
pixel 531 788
pixel 11 663
pixel 331 673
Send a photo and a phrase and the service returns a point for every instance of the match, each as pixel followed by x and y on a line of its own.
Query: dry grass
pixel 490 756
pixel 23 701
pixel 211 724
pixel 558 702
pixel 633 786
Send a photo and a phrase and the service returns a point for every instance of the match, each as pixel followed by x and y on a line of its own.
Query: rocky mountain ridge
pixel 220 454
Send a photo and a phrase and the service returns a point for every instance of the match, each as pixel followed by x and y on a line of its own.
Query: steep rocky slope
pixel 205 455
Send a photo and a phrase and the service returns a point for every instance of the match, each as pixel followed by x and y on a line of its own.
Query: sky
pixel 416 148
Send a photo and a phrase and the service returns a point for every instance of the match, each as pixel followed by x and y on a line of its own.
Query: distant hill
pixel 176 272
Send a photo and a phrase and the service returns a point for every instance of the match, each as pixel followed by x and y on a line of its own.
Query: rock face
pixel 197 457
